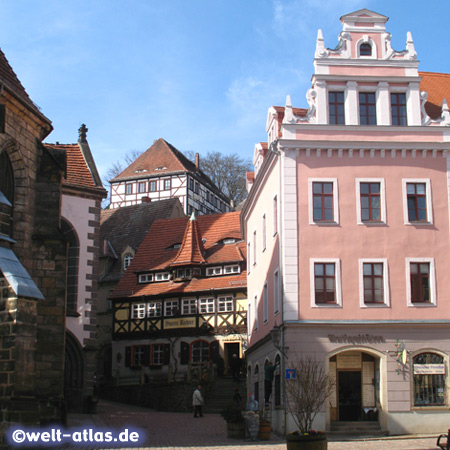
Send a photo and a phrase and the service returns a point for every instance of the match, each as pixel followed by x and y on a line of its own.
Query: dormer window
pixel 365 49
pixel 127 260
pixel 183 274
pixel 213 271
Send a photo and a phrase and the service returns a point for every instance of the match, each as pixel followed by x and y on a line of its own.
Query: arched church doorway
pixel 73 374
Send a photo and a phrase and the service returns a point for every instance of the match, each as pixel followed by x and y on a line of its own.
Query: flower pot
pixel 309 442
pixel 236 430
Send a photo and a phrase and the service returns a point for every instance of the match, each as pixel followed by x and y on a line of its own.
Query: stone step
pixel 356 428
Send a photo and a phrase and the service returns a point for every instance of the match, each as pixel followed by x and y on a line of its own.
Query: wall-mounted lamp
pixel 275 334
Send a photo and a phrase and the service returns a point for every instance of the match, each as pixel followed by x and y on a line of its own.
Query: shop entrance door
pixel 350 397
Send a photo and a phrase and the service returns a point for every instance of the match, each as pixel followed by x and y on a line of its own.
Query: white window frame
pixel 128 257
pixel 158 350
pixel 167 184
pixel 169 305
pixel 214 271
pixel 382 201
pixel 188 306
pixel 338 281
pixel 386 296
pixel 206 305
pixel 335 201
pixel 142 183
pixel 145 278
pixel 138 310
pixel 265 302
pixel 255 307
pixel 162 276
pixel 231 269
pixel 432 279
pixel 264 232
pixel 429 202
pixel 276 292
pixel 275 215
pixel 155 307
pixel 254 247
pixel 153 183
pixel 225 304
pixel 129 189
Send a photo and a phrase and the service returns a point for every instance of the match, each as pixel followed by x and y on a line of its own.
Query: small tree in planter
pixel 305 396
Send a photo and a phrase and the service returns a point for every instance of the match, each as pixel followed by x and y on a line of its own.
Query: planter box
pixel 312 442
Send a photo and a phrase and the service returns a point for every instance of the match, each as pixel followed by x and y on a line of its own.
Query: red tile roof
pixel 191 251
pixel 437 85
pixel 78 173
pixel 158 251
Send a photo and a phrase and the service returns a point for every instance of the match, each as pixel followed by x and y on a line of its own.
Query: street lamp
pixel 275 334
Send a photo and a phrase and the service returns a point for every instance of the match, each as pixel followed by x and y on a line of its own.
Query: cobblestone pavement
pixel 181 431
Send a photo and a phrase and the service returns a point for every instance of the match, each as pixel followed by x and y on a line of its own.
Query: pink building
pixel 347 229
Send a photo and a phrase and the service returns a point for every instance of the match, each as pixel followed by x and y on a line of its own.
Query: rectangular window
pixel 225 304
pixel 152 186
pixel 255 308
pixel 276 292
pixel 275 215
pixel 373 283
pixel 325 282
pixel 162 276
pixel 167 184
pixel 420 282
pixel 336 108
pixel 170 308
pixel 254 248
pixel 398 109
pixel 189 306
pixel 263 232
pixel 235 268
pixel 146 278
pixel 206 305
pixel 417 202
pixel 367 108
pixel 157 354
pixel 212 271
pixel 128 189
pixel 142 187
pixel 138 311
pixel 370 202
pixel 197 188
pixel 266 303
pixel 191 184
pixel 154 309
pixel 421 289
pixel 323 202
pixel 139 352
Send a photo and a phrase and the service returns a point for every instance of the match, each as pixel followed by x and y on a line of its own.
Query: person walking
pixel 269 371
pixel 197 402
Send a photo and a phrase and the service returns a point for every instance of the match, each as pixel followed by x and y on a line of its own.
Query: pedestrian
pixel 235 366
pixel 269 371
pixel 197 402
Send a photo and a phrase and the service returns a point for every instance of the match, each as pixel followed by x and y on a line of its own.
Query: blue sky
pixel 199 73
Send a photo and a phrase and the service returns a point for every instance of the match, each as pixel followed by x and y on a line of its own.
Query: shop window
pixel 429 380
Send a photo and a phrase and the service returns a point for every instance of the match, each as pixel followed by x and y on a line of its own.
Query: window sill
pixel 324 223
pixel 375 305
pixel 420 224
pixel 326 305
pixel 428 408
pixel 373 223
pixel 422 305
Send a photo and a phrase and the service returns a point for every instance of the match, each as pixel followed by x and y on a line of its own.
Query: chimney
pixel 146 200
pixel 197 161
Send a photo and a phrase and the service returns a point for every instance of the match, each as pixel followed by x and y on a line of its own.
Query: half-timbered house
pixel 182 303
pixel 163 172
